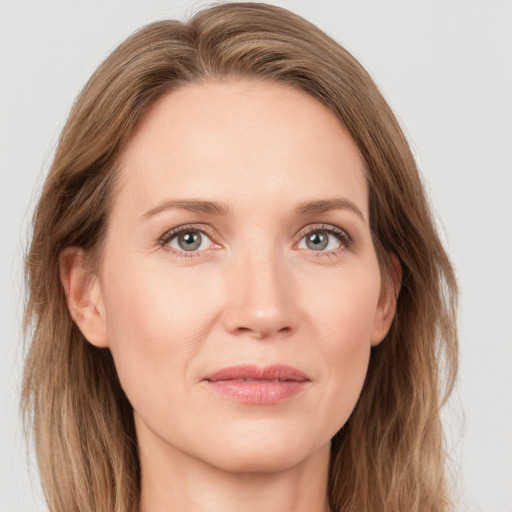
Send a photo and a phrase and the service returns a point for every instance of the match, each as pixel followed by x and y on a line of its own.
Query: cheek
pixel 344 308
pixel 344 315
pixel 156 324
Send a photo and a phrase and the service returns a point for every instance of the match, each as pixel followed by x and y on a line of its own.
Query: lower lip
pixel 258 392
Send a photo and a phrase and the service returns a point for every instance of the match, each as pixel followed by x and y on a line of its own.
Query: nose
pixel 261 300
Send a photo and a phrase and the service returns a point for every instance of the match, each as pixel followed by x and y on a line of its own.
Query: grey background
pixel 445 67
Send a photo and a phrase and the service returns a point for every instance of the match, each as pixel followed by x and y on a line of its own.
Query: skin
pixel 253 292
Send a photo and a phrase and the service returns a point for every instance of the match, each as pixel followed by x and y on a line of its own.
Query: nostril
pixel 264 333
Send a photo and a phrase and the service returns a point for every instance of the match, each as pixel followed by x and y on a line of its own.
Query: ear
pixel 83 295
pixel 386 306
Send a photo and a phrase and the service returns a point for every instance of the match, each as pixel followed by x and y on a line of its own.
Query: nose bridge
pixel 260 293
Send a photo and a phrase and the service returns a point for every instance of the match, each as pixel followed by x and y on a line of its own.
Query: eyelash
pixel 167 237
pixel 345 239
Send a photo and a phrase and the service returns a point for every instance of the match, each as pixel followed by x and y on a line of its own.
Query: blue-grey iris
pixel 189 241
pixel 317 241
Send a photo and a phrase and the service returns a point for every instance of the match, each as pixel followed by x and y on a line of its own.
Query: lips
pixel 251 384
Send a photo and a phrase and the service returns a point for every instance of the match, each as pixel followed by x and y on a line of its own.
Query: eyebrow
pixel 322 206
pixel 222 209
pixel 192 205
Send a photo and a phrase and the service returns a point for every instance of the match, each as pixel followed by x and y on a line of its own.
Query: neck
pixel 173 481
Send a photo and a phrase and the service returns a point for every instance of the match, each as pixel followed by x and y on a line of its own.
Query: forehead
pixel 243 141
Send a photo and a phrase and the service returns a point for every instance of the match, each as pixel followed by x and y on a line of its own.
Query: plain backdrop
pixel 445 66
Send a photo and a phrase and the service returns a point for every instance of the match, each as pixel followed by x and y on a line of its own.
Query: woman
pixel 238 295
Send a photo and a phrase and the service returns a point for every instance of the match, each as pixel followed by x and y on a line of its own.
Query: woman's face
pixel 240 292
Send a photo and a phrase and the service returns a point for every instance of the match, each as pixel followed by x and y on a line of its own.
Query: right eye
pixel 187 239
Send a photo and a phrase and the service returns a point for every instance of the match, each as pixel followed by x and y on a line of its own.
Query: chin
pixel 259 462
pixel 265 455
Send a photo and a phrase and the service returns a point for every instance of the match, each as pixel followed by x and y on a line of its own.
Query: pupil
pixel 189 241
pixel 317 241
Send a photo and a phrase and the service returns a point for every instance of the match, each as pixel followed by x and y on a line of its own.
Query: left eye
pixel 322 240
pixel 189 241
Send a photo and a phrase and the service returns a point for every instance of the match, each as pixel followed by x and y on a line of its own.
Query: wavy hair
pixel 389 456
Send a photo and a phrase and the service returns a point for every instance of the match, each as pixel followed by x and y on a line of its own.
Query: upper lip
pixel 251 372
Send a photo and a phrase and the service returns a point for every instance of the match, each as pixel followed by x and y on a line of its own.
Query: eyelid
pixel 341 234
pixel 174 232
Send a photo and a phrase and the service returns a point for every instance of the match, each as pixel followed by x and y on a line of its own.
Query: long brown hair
pixel 389 455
